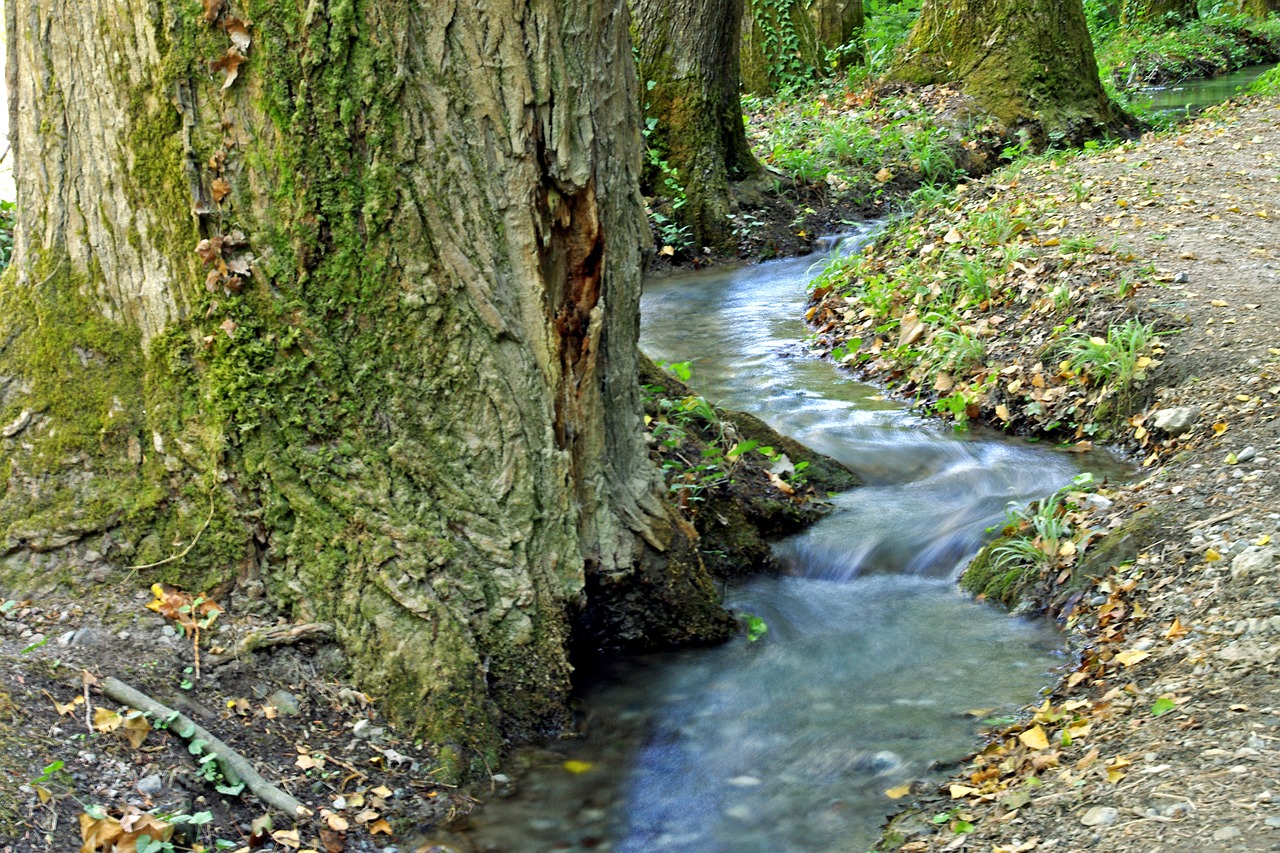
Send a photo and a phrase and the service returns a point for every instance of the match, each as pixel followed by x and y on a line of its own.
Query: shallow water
pixel 872 659
pixel 1191 96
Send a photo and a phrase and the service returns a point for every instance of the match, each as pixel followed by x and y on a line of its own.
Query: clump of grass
pixel 1157 52
pixel 1116 360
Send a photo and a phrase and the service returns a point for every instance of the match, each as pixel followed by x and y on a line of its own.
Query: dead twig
pixel 234 766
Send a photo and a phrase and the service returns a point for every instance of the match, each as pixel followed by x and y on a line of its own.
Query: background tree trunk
pixel 1029 63
pixel 1259 8
pixel 358 283
pixel 794 46
pixel 1159 12
pixel 689 68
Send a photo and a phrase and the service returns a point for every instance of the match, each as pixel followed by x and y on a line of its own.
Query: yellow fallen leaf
pixel 962 791
pixel 1176 630
pixel 106 720
pixel 381 791
pixel 578 767
pixel 1132 656
pixel 884 175
pixel 337 823
pixel 1265 540
pixel 1212 556
pixel 136 728
pixel 1218 303
pixel 667 251
pixel 367 816
pixel 380 826
pixel 898 792
pixel 1002 412
pixel 1220 427
pixel 287 838
pixel 1034 738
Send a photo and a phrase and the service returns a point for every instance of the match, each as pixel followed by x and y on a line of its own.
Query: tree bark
pixel 362 276
pixel 792 48
pixel 1159 12
pixel 689 68
pixel 1028 63
pixel 1259 8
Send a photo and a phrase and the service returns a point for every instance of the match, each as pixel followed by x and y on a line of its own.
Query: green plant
pixel 7 213
pixel 1115 360
pixel 756 627
pixel 958 351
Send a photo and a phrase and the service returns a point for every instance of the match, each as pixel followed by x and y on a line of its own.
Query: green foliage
pixel 1116 360
pixel 1217 42
pixel 886 26
pixel 7 212
pixel 1268 84
pixel 756 627
pixel 780 43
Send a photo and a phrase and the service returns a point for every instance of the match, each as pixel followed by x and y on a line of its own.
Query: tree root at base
pixel 235 767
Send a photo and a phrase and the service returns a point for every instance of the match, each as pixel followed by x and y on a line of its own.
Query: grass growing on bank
pixel 1218 42
pixel 983 305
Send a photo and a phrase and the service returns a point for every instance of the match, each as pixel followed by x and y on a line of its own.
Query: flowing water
pixel 872 663
pixel 1191 96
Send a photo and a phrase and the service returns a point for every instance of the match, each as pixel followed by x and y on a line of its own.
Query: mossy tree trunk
pixel 790 40
pixel 1259 8
pixel 689 69
pixel 1158 12
pixel 339 307
pixel 1028 63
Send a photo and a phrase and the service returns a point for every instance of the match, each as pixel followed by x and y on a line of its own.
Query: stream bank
pixel 1165 733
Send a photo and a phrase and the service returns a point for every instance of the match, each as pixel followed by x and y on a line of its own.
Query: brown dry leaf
pixel 953 236
pixel 238 30
pixel 366 816
pixel 306 762
pixel 380 826
pixel 884 175
pixel 229 326
pixel 381 791
pixel 337 822
pixel 68 708
pixel 961 791
pixel 221 189
pixel 98 834
pixel 287 838
pixel 242 707
pixel 106 720
pixel 1034 738
pixel 1002 412
pixel 209 250
pixel 212 9
pixel 1132 656
pixel 229 65
pixel 781 484
pixel 1220 427
pixel 1176 630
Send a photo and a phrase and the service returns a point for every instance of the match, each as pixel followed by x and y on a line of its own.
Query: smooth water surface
pixel 1191 96
pixel 872 661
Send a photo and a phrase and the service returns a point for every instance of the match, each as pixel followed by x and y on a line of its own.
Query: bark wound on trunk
pixel 572 267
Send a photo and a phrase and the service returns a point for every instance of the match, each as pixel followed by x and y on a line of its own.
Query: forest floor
pixel 1164 735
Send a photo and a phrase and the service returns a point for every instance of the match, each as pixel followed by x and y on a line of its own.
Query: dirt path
pixel 1171 720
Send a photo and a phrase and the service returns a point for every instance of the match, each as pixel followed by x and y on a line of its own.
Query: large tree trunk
pixel 1160 12
pixel 804 40
pixel 358 283
pixel 689 68
pixel 1029 63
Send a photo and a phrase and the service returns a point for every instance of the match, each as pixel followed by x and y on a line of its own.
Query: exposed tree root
pixel 280 635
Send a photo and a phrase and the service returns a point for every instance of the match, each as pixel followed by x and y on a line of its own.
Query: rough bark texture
pixel 1159 12
pixel 1029 63
pixel 400 378
pixel 790 40
pixel 689 68
pixel 1259 8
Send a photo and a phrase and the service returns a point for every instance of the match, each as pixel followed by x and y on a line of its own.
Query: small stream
pixel 1191 96
pixel 874 669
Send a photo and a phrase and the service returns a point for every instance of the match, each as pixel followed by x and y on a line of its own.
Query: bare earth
pixel 1172 714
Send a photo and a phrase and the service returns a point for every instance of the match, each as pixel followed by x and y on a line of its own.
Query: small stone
pixel 151 785
pixel 1253 560
pixel 87 637
pixel 65 639
pixel 1100 816
pixel 1273 822
pixel 1226 833
pixel 286 703
pixel 1175 421
pixel 1181 278
pixel 168 631
pixel 1246 454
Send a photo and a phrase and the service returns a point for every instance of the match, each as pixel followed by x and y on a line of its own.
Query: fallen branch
pixel 268 637
pixel 234 766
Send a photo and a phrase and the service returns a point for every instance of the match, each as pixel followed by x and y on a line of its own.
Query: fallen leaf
pixel 1220 427
pixel 229 326
pixel 337 822
pixel 1034 738
pixel 961 791
pixel 577 767
pixel 212 9
pixel 220 188
pixel 898 792
pixel 287 838
pixel 1132 656
pixel 106 720
pixel 136 728
pixel 884 175
pixel 1176 630
pixel 380 826
pixel 953 236
pixel 1211 556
